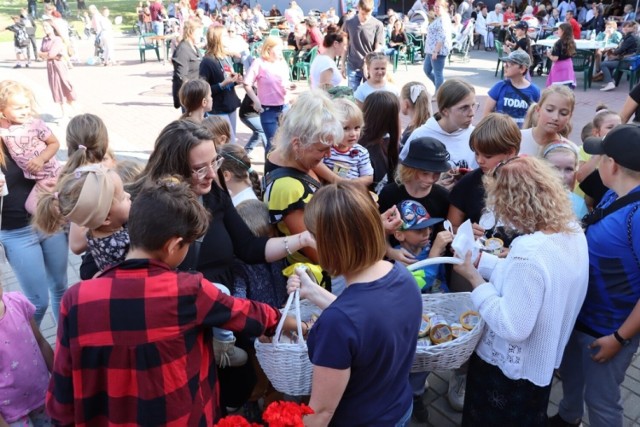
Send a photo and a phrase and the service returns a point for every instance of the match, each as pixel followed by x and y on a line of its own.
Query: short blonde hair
pixel 346 224
pixel 510 194
pixel 349 111
pixel 313 118
pixel 406 174
pixel 268 44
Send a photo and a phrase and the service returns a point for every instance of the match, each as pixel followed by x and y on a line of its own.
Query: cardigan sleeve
pixel 212 74
pixel 246 245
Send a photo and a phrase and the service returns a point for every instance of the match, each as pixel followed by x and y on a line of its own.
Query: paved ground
pixel 135 102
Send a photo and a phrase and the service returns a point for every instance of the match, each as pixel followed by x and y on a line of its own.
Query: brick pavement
pixel 135 102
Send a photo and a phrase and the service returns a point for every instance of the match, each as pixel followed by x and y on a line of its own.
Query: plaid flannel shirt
pixel 134 347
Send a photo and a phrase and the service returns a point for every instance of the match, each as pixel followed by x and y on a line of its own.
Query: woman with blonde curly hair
pixel 530 300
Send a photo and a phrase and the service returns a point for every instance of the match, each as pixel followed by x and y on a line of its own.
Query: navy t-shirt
pixel 371 328
pixel 510 102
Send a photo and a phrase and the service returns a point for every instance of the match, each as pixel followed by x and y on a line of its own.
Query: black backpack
pixel 22 38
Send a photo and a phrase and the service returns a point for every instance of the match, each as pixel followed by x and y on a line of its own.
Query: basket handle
pixel 294 296
pixel 432 261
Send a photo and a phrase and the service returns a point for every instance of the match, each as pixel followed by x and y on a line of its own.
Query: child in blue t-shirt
pixel 515 93
pixel 414 236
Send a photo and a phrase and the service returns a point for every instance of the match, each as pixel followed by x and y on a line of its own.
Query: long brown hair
pixel 381 112
pixel 215 48
pixel 567 39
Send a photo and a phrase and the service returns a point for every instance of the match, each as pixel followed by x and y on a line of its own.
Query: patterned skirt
pixel 492 399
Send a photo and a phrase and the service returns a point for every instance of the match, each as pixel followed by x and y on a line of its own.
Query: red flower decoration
pixel 286 414
pixel 235 421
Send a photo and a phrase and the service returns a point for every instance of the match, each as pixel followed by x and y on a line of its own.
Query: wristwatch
pixel 621 340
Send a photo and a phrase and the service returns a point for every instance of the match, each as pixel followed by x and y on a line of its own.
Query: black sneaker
pixel 17 66
pixel 420 412
pixel 557 421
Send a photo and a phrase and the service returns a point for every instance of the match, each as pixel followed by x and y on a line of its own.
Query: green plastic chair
pixel 415 44
pixel 629 66
pixel 303 67
pixel 274 32
pixel 144 44
pixel 500 52
pixel 403 54
pixel 289 56
pixel 583 62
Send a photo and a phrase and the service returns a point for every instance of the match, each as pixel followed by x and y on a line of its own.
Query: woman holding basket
pixel 361 359
pixel 531 299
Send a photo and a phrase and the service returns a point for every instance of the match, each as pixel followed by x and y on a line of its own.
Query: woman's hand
pixel 609 347
pixel 469 271
pixel 478 231
pixel 258 107
pixel 401 255
pixel 434 56
pixel 307 240
pixel 391 220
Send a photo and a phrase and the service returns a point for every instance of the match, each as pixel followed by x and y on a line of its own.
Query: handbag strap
pixel 520 93
pixel 294 296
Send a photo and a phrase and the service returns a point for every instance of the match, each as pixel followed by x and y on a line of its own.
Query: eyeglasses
pixel 466 109
pixel 501 164
pixel 203 171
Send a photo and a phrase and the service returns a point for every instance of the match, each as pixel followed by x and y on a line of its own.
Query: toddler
pixel 28 139
pixel 414 236
pixel 348 159
pixel 564 158
pixel 27 359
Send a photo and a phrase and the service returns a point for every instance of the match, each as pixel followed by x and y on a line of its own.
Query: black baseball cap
pixel 622 144
pixel 522 25
pixel 427 154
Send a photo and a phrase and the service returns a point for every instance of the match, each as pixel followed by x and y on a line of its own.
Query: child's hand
pixel 35 165
pixel 440 243
pixel 401 255
pixel 478 230
pixel 391 220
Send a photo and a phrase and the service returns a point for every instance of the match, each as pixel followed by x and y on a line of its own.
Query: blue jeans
pixel 253 123
pixel 354 78
pixel 597 384
pixel 222 334
pixel 269 121
pixel 158 27
pixel 434 69
pixel 40 265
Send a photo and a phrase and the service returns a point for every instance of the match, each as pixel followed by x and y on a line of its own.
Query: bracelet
pixel 286 246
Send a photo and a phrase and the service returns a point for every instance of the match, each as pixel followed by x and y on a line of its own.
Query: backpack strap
pixel 599 213
pixel 629 235
pixel 282 172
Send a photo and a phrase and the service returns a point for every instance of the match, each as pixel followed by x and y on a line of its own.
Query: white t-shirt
pixel 320 64
pixel 529 146
pixel 246 194
pixel 365 90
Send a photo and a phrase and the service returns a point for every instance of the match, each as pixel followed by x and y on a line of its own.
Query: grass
pixel 124 8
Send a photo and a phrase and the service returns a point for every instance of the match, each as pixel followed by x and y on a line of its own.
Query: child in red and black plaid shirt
pixel 134 344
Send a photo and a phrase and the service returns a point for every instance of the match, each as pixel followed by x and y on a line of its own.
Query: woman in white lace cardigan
pixel 530 299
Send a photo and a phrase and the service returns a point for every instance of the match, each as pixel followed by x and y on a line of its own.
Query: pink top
pixel 26 142
pixel 271 79
pixel 24 375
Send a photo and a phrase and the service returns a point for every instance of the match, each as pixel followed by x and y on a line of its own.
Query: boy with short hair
pixel 414 235
pixel 20 41
pixel 515 93
pixel 135 344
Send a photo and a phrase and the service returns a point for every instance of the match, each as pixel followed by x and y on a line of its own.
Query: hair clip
pixel 55 195
pixel 81 147
pixel 250 170
pixel 77 173
pixel 415 91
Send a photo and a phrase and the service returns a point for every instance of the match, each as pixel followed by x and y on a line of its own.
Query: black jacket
pixel 628 45
pixel 225 99
pixel 186 66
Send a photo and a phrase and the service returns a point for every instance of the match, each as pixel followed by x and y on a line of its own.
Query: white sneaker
pixel 609 86
pixel 227 354
pixel 457 385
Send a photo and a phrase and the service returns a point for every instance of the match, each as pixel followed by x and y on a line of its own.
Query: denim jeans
pixel 269 121
pixel 218 333
pixel 607 68
pixel 40 265
pixel 434 69
pixel 253 123
pixel 596 384
pixel 158 27
pixel 354 78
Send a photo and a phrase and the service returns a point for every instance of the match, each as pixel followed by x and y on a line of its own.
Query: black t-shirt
pixel 14 215
pixel 635 95
pixel 468 195
pixel 560 51
pixel 593 187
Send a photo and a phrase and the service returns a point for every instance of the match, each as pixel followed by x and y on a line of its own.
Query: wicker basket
pixel 287 365
pixel 451 354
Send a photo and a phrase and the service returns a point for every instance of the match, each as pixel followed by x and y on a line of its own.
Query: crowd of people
pixel 187 258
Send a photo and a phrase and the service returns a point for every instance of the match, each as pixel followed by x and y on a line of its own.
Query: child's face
pixel 378 70
pixel 554 114
pixel 415 239
pixel 351 134
pixel 108 161
pixel 207 102
pixel 565 163
pixel 609 122
pixel 119 212
pixel 487 162
pixel 424 180
pixel 18 109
